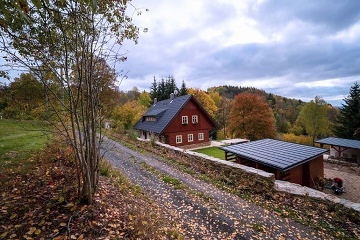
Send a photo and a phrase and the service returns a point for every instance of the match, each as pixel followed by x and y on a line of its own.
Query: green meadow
pixel 212 151
pixel 18 139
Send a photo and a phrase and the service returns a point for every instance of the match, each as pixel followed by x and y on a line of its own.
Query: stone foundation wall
pixel 204 144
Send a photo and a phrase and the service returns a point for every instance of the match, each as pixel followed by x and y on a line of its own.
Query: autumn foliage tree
pixel 126 115
pixel 65 45
pixel 314 118
pixel 206 101
pixel 25 98
pixel 250 117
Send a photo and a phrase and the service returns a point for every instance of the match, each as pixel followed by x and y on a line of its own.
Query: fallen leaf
pixel 69 205
pixel 3 235
pixel 32 230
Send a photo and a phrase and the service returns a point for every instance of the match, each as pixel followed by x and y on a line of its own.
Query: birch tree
pixel 313 117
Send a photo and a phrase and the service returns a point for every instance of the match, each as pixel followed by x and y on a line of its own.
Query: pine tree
pixel 162 90
pixel 349 118
pixel 154 90
pixel 183 89
pixel 172 88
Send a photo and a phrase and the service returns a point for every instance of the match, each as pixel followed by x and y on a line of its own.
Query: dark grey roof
pixel 164 111
pixel 274 153
pixel 154 112
pixel 342 142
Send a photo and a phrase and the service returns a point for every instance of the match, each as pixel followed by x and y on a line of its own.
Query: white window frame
pixel 178 139
pixel 195 119
pixel 201 136
pixel 190 137
pixel 184 120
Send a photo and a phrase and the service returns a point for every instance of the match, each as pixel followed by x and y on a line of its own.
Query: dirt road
pixel 200 209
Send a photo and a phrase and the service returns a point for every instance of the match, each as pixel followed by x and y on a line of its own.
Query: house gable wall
pixel 176 128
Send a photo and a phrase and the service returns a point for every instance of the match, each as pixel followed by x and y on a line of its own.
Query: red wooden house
pixel 178 121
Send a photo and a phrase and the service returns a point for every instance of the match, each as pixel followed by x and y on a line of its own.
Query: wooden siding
pixel 171 138
pixel 204 125
pixel 304 174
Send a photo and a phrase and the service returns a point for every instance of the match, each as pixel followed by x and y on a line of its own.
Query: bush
pixel 302 139
pixel 132 134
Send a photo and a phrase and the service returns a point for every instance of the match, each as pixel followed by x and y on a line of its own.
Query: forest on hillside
pixel 263 114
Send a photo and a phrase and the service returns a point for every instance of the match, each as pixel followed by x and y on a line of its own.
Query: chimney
pixel 171 96
pixel 155 100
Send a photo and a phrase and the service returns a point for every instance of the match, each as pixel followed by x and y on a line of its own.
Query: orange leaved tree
pixel 251 118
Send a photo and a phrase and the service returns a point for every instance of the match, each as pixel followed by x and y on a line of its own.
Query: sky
pixel 296 49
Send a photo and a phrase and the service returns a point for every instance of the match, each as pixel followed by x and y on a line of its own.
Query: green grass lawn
pixel 212 151
pixel 19 138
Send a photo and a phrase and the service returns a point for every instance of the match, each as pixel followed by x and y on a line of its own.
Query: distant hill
pixel 286 110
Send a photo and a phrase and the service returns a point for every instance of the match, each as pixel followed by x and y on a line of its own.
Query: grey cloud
pixel 331 15
pixel 295 58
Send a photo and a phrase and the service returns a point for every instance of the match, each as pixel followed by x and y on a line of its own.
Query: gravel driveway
pixel 350 177
pixel 200 209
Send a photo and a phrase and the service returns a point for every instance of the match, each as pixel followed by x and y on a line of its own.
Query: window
pixel 178 139
pixel 194 119
pixel 201 136
pixel 184 120
pixel 190 137
pixel 150 119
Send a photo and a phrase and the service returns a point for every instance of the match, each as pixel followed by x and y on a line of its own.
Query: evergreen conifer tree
pixel 349 118
pixel 183 89
pixel 154 92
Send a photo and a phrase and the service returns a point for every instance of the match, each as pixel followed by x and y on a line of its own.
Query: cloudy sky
pixel 296 49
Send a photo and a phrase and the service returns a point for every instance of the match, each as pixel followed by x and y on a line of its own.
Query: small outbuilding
pixel 291 162
pixel 342 148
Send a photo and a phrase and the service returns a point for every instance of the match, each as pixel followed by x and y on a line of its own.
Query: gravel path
pixel 200 209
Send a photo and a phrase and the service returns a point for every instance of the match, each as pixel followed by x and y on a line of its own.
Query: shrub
pixel 302 139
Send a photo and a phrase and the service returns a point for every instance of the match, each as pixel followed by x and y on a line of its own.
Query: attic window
pixel 150 119
pixel 194 119
pixel 184 120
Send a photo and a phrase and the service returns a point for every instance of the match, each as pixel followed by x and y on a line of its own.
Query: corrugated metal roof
pixel 342 142
pixel 280 155
pixel 165 111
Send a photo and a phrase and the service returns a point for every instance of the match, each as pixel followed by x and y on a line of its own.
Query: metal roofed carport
pixel 347 149
pixel 341 142
pixel 275 153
